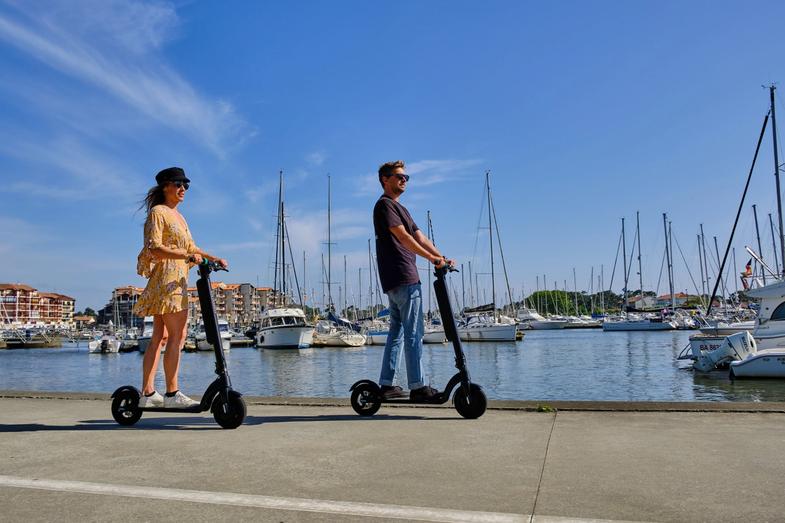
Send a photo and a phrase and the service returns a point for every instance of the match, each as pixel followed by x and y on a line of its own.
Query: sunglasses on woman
pixel 184 185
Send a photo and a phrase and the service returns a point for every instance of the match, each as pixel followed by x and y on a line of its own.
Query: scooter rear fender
pixel 366 382
pixel 125 388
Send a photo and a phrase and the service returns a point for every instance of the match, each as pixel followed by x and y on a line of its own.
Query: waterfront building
pixel 237 303
pixel 23 306
pixel 119 309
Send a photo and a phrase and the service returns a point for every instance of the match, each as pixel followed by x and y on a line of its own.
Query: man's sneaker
pixel 154 400
pixel 424 394
pixel 179 401
pixel 390 392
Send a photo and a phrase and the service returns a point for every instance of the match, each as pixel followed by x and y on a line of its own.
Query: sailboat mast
pixel 490 236
pixel 774 248
pixel 700 263
pixel 624 260
pixel 428 268
pixel 575 287
pixel 283 256
pixel 329 247
pixel 668 255
pixel 640 265
pixel 777 173
pixel 705 263
pixel 370 279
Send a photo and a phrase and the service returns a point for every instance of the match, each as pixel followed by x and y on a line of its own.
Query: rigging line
pixel 477 229
pixel 738 213
pixel 687 266
pixel 294 265
pixel 659 278
pixel 615 260
pixel 499 241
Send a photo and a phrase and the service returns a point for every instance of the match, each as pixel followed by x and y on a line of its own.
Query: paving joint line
pixel 542 470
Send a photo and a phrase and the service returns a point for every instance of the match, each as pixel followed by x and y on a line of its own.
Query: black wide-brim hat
pixel 171 174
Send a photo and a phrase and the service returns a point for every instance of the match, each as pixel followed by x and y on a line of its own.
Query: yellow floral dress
pixel 167 286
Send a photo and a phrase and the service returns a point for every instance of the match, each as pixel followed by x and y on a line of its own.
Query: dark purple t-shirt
pixel 397 264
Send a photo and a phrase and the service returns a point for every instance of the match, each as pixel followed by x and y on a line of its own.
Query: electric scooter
pixel 226 404
pixel 469 399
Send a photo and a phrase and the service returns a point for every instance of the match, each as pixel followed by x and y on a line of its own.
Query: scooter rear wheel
pixel 125 407
pixel 230 415
pixel 365 400
pixel 474 406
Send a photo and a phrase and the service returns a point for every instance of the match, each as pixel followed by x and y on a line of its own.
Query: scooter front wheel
pixel 365 400
pixel 231 414
pixel 125 407
pixel 472 407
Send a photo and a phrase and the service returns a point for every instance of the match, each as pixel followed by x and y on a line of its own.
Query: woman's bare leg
pixel 175 325
pixel 151 355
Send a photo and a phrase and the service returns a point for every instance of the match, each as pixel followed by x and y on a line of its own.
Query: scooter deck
pixel 196 408
pixel 439 400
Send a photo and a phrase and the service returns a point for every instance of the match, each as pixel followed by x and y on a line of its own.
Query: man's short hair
pixel 387 169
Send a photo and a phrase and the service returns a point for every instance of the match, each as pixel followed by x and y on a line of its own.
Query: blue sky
pixel 584 112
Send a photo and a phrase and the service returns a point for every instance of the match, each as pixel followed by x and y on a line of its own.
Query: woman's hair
pixel 155 196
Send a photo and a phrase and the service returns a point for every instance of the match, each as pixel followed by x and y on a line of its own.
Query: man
pixel 398 242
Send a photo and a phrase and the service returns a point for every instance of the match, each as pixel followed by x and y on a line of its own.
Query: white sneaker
pixel 156 400
pixel 179 401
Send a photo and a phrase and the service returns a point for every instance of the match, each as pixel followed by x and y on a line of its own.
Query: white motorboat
pixel 328 334
pixel 484 327
pixel 763 355
pixel 106 344
pixel 634 322
pixel 226 337
pixel 284 328
pixel 532 319
pixel 723 329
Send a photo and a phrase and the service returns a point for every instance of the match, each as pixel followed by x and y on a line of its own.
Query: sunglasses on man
pixel 179 184
pixel 404 177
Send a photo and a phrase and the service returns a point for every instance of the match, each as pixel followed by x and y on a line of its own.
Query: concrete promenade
pixel 62 457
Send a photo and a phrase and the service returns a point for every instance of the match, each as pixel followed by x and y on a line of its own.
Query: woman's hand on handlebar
pixel 195 259
pixel 223 263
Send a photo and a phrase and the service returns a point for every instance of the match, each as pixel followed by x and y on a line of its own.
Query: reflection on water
pixel 547 365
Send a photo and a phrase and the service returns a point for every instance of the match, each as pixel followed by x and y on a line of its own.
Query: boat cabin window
pixel 779 313
pixel 266 322
pixel 277 321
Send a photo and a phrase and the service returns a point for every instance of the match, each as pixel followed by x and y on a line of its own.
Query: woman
pixel 164 260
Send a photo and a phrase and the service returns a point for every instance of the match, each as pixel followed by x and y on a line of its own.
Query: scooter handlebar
pixel 213 266
pixel 444 269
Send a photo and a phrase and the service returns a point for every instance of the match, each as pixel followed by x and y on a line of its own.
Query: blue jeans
pixel 406 328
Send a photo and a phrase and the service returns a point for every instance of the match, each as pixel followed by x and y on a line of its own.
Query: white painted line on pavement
pixel 348 508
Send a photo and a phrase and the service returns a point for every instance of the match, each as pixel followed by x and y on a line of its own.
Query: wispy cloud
pixel 114 46
pixel 316 158
pixel 84 174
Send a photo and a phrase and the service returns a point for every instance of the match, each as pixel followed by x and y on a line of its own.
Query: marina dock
pixel 305 459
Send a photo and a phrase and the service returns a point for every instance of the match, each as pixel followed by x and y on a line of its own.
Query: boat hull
pixel 203 345
pixel 767 363
pixel 436 336
pixel 502 332
pixel 283 337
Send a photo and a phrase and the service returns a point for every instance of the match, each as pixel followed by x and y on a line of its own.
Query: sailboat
pixel 333 331
pixel 283 327
pixel 633 321
pixel 485 324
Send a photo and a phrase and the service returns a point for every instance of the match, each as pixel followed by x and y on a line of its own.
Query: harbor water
pixel 546 365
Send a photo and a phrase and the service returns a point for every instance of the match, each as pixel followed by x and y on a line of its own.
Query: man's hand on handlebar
pixel 444 262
